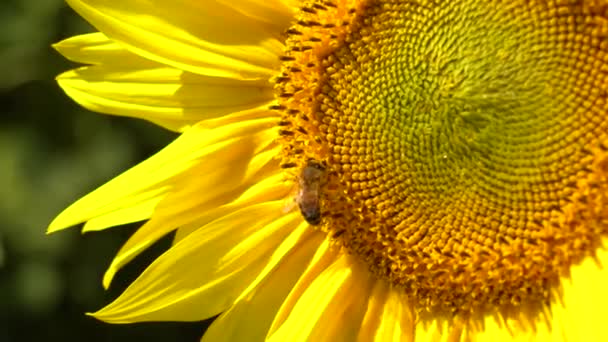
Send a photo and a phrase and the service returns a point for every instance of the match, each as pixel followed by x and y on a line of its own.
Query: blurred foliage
pixel 51 153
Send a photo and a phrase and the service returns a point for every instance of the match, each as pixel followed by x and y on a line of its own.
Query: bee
pixel 309 192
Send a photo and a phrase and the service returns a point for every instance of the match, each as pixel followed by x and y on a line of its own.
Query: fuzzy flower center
pixel 464 141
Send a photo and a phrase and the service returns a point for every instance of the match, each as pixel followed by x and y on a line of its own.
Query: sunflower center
pixel 465 141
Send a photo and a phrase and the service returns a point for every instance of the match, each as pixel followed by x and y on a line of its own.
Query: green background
pixel 51 153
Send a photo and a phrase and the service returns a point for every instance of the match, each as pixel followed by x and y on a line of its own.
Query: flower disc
pixel 465 141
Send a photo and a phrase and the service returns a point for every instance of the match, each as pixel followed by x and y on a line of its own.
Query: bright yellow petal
pixel 251 315
pixel 180 234
pixel 151 180
pixel 323 258
pixel 578 317
pixel 122 83
pixel 585 310
pixel 275 14
pixel 205 272
pixel 193 214
pixel 581 317
pixel 163 95
pixel 97 48
pixel 388 316
pixel 328 302
pixel 292 4
pixel 203 37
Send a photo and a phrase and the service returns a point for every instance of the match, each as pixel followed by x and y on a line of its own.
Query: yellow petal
pixel 205 210
pixel 578 317
pixel 585 308
pixel 137 212
pixel 327 303
pixel 205 272
pixel 293 4
pixel 388 316
pixel 189 35
pixel 324 257
pixel 123 83
pixel 151 180
pixel 163 95
pixel 180 234
pixel 96 48
pixel 581 317
pixel 251 315
pixel 276 14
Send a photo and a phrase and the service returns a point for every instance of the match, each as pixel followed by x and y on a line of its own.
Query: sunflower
pixel 371 170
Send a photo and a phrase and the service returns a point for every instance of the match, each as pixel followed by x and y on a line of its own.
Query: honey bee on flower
pixel 309 191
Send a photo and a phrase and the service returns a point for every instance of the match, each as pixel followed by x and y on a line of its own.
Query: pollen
pixel 465 141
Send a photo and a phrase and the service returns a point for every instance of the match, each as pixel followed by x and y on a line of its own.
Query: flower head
pixel 449 160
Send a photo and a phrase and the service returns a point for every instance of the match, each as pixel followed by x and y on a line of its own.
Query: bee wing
pixel 289 205
pixel 291 201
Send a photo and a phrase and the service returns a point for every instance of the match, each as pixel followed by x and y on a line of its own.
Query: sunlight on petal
pixel 162 94
pixel 270 189
pixel 331 295
pixel 153 178
pixel 205 272
pixel 251 315
pixel 174 34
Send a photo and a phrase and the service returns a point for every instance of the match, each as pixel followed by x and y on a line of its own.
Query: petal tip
pixel 59 223
pixel 108 277
pixel 101 315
